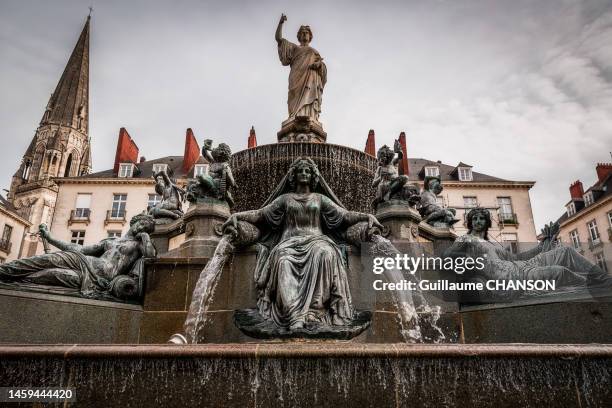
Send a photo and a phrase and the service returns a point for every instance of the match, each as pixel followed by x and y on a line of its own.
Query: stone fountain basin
pixel 318 374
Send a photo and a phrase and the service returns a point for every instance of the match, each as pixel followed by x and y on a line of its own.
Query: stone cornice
pixel 488 184
pixel 111 181
pixel 14 216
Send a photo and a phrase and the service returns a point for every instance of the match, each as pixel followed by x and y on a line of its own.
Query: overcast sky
pixel 518 89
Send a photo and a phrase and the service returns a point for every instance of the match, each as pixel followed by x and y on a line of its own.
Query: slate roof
pixel 604 188
pixel 144 170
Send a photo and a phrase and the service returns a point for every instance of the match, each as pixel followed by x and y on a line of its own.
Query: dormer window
pixel 200 169
pixel 432 171
pixel 160 167
pixel 465 174
pixel 126 169
pixel 571 209
pixel 588 198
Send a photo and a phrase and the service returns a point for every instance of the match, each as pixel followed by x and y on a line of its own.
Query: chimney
pixel 603 170
pixel 370 147
pixel 127 151
pixel 576 190
pixel 252 138
pixel 403 165
pixel 192 151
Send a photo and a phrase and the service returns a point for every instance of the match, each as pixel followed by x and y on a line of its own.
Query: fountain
pixel 261 293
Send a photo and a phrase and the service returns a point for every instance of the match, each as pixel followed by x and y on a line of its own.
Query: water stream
pixel 205 289
pixel 412 308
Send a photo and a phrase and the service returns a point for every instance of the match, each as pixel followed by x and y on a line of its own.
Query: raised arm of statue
pixel 397 148
pixel 206 150
pixel 229 176
pixel 377 178
pixel 279 29
pixel 94 250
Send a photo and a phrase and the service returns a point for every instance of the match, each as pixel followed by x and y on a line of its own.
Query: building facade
pixel 96 206
pixel 60 146
pixel 508 201
pixel 14 229
pixel 587 221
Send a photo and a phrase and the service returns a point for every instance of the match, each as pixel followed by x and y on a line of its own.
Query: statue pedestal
pixel 401 221
pixel 302 129
pixel 203 223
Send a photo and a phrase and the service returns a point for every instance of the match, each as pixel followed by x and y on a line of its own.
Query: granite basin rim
pixel 339 349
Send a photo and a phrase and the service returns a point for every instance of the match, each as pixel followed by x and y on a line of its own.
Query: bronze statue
pixel 308 73
pixel 170 207
pixel 432 212
pixel 111 269
pixel 546 261
pixel 301 275
pixel 387 180
pixel 219 181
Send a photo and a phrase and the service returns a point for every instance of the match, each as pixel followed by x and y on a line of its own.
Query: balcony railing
pixel 595 243
pixel 508 218
pixel 80 215
pixel 5 245
pixel 113 216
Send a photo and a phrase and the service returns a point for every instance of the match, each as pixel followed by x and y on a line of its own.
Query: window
pixel 575 239
pixel 83 202
pixel 126 169
pixel 470 202
pixel 5 242
pixel 506 213
pixel 200 169
pixel 118 210
pixel 601 261
pixel 78 237
pixel 512 240
pixel 160 167
pixel 588 198
pixel 153 200
pixel 432 171
pixel 26 170
pixel 593 231
pixel 465 174
pixel 610 219
pixel 6 233
pixel 571 209
pixel 114 234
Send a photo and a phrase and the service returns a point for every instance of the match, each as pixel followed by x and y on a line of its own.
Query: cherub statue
pixel 388 181
pixel 219 180
pixel 170 207
pixel 432 213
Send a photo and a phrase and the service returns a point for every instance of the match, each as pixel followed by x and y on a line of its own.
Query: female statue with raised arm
pixel 301 276
pixel 308 73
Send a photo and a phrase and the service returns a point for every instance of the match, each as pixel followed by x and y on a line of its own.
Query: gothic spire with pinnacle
pixel 69 103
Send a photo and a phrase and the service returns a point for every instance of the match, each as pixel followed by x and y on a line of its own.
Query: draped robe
pixel 303 277
pixel 305 84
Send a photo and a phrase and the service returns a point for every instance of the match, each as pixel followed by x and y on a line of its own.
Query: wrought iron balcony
pixel 508 218
pixel 595 243
pixel 80 215
pixel 5 245
pixel 115 216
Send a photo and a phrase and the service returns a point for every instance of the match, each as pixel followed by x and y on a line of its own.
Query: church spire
pixel 69 103
pixel 60 147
